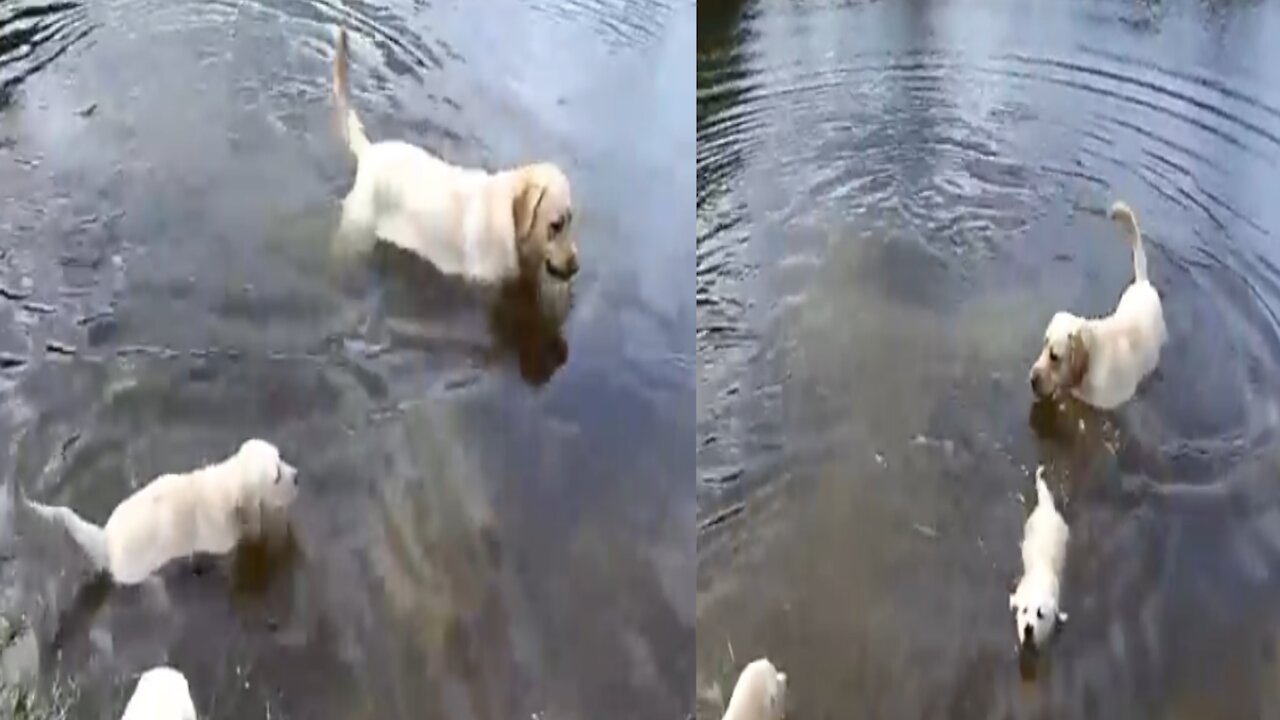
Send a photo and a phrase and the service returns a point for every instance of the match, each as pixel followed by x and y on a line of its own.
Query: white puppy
pixel 760 694
pixel 161 694
pixel 179 515
pixel 1101 361
pixel 485 227
pixel 1044 553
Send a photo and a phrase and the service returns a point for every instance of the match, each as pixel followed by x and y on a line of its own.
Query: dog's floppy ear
pixel 1013 604
pixel 527 200
pixel 1079 356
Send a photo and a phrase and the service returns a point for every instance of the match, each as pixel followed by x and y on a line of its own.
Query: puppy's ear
pixel 1013 604
pixel 1079 359
pixel 525 206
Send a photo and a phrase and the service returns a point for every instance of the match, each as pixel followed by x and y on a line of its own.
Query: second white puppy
pixel 1101 361
pixel 760 694
pixel 182 514
pixel 161 694
pixel 1035 602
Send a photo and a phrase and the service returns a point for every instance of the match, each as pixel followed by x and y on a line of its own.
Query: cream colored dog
pixel 1101 361
pixel 161 694
pixel 760 694
pixel 485 227
pixel 180 515
pixel 1035 603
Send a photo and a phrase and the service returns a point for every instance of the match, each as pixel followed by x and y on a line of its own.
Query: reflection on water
pixel 893 198
pixel 479 533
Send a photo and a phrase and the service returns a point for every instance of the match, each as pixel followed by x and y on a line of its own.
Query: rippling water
pixel 893 198
pixel 480 533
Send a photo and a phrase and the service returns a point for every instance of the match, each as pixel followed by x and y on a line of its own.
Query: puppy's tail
pixel 1123 214
pixel 91 538
pixel 348 121
pixel 1043 496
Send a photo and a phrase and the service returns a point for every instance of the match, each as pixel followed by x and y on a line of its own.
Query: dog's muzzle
pixel 1028 638
pixel 565 271
pixel 1037 383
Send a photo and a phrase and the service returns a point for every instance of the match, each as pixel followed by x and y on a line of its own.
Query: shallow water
pixel 495 513
pixel 893 198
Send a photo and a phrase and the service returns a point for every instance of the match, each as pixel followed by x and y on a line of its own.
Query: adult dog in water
pixel 1101 361
pixel 486 227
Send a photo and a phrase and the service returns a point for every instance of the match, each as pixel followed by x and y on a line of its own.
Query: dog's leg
pixel 355 234
pixel 155 594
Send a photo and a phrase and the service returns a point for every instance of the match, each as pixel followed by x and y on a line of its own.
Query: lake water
pixel 496 513
pixel 892 199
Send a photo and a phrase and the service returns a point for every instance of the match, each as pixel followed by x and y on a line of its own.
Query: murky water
pixel 893 198
pixel 495 513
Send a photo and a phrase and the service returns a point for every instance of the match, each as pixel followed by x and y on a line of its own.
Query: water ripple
pixel 33 35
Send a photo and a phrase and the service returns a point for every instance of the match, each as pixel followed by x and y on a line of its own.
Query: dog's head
pixel 763 688
pixel 267 478
pixel 543 212
pixel 1035 610
pixel 1064 359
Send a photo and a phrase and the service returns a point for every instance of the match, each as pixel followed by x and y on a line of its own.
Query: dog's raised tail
pixel 348 121
pixel 1123 214
pixel 91 538
pixel 1043 496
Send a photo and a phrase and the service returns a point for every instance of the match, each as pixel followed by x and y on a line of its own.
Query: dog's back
pixel 1044 542
pixel 156 524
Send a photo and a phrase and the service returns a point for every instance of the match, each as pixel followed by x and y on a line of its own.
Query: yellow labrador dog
pixel 486 227
pixel 161 694
pixel 760 693
pixel 178 515
pixel 1101 361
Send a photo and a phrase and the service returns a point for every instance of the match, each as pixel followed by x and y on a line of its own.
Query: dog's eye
pixel 1053 356
pixel 558 225
pixel 1040 614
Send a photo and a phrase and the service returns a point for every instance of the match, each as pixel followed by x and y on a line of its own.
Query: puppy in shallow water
pixel 1035 602
pixel 487 227
pixel 760 693
pixel 161 694
pixel 179 515
pixel 1101 361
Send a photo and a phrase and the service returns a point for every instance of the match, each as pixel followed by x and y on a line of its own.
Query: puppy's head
pixel 761 691
pixel 266 476
pixel 1064 359
pixel 543 212
pixel 1035 611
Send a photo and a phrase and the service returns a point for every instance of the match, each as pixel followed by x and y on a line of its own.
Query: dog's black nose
pixel 563 272
pixel 1028 636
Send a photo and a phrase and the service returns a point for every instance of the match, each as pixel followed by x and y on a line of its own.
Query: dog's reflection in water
pixel 520 320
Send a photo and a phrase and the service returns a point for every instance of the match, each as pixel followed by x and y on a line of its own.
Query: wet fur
pixel 487 227
pixel 1101 361
pixel 179 515
pixel 161 694
pixel 760 693
pixel 1035 601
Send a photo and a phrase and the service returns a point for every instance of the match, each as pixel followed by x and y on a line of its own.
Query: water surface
pixel 496 514
pixel 893 198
